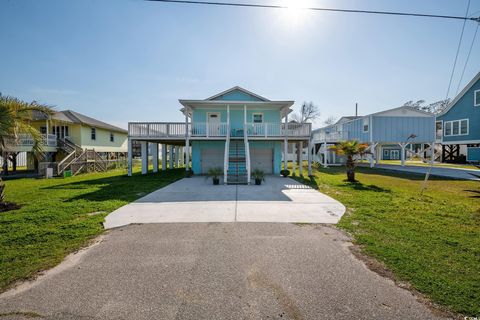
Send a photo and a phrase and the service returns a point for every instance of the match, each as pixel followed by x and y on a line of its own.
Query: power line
pixel 266 6
pixel 458 50
pixel 468 57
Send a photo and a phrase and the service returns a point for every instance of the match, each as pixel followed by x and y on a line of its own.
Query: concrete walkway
pixel 214 271
pixel 452 173
pixel 198 200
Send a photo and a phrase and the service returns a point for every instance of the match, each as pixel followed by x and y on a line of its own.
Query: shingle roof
pixel 78 118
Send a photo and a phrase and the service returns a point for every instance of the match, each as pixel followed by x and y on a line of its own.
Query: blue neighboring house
pixel 458 126
pixel 235 130
pixel 391 134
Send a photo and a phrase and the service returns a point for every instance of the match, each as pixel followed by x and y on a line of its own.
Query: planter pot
pixel 258 182
pixel 216 181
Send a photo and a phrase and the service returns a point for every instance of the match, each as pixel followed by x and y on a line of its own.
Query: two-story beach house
pixel 458 126
pixel 391 134
pixel 235 130
pixel 70 140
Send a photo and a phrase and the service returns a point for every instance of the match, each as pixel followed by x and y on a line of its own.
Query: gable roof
pixel 461 94
pixel 78 118
pixel 237 88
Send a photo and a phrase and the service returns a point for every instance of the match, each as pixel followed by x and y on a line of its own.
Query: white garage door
pixel 212 158
pixel 262 159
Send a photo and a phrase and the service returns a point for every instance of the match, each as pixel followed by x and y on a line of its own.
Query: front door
pixel 394 154
pixel 213 123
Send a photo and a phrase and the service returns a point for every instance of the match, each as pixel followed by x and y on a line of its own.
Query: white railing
pixel 212 130
pixel 226 156
pixel 26 140
pixel 278 129
pixel 331 136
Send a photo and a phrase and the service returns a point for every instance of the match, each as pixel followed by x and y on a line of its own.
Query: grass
pixel 59 216
pixel 431 241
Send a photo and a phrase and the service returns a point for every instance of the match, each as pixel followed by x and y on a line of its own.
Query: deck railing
pixel 330 136
pixel 212 130
pixel 26 140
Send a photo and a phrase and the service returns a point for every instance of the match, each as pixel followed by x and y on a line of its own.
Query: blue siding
pixel 237 95
pixel 355 130
pixel 465 109
pixel 398 129
pixel 473 154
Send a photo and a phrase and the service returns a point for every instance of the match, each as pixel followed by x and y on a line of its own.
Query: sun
pixel 295 10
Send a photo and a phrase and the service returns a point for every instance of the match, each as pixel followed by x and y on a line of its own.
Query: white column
pixel 170 157
pixel 402 156
pixel 432 160
pixel 187 141
pixel 310 157
pixel 177 156
pixel 181 156
pixel 373 155
pixel 187 156
pixel 144 149
pixel 294 158
pixel 325 154
pixel 155 156
pixel 130 153
pixel 285 143
pixel 300 164
pixel 164 157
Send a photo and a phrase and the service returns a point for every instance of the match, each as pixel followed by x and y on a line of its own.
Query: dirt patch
pixel 257 279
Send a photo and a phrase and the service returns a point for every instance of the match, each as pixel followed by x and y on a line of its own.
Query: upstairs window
pixel 257 117
pixel 476 98
pixel 366 124
pixel 93 134
pixel 112 137
pixel 456 127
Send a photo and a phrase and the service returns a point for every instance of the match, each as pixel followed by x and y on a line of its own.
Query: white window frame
pixel 366 121
pixel 256 114
pixel 93 134
pixel 450 123
pixel 112 137
pixel 475 102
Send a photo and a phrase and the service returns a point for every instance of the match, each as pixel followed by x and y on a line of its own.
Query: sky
pixel 131 60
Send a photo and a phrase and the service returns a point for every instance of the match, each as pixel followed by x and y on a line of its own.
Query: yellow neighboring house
pixel 71 140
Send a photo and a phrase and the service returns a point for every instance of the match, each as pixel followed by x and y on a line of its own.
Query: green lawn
pixel 423 164
pixel 61 215
pixel 431 241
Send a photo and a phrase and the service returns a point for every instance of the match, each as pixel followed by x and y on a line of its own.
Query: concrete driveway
pixel 195 199
pixel 214 271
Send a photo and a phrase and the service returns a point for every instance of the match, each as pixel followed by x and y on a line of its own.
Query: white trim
pixel 368 124
pixel 475 102
pixel 257 113
pixel 461 142
pixel 238 89
pixel 460 95
pixel 459 128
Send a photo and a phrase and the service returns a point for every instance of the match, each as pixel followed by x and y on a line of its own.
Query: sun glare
pixel 295 10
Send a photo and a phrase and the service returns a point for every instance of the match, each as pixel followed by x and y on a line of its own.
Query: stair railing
pixel 247 152
pixel 226 155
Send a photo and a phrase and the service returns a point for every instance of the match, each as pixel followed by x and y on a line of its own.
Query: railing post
pixel 266 129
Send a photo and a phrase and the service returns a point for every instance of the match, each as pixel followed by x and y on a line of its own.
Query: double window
pixel 476 98
pixel 456 128
pixel 93 134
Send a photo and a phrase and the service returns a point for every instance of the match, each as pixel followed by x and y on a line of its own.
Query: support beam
pixel 164 157
pixel 177 156
pixel 170 157
pixel 402 156
pixel 144 152
pixel 130 156
pixel 182 156
pixel 373 154
pixel 325 154
pixel 300 164
pixel 187 141
pixel 285 144
pixel 155 156
pixel 310 150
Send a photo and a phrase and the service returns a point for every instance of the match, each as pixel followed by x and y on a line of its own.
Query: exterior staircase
pixel 79 160
pixel 237 163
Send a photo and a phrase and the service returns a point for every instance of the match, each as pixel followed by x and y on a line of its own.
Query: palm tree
pixel 15 117
pixel 350 149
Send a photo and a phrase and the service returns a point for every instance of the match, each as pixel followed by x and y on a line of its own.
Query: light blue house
pixel 458 126
pixel 235 130
pixel 391 134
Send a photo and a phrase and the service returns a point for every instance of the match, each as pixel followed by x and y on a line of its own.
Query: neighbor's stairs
pixel 237 165
pixel 79 160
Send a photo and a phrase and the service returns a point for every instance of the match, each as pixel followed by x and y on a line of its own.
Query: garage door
pixel 262 159
pixel 212 158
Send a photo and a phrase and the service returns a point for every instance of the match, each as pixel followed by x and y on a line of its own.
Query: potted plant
pixel 285 173
pixel 259 176
pixel 215 174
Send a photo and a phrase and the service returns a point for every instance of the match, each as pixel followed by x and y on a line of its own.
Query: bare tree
pixel 308 112
pixel 434 107
pixel 330 120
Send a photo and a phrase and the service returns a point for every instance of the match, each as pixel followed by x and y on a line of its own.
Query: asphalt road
pixel 214 271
